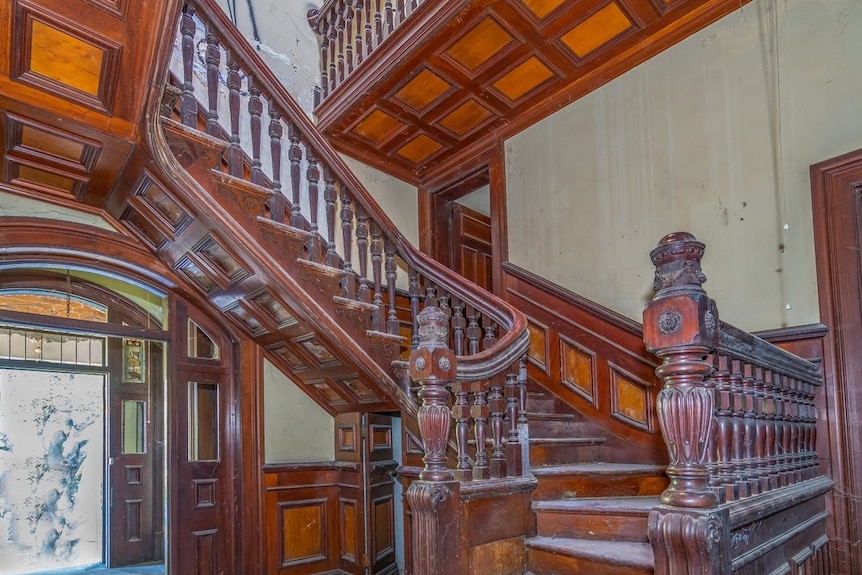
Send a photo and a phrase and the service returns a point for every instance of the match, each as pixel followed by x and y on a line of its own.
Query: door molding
pixel 836 192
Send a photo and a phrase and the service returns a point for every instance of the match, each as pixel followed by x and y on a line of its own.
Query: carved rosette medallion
pixel 669 322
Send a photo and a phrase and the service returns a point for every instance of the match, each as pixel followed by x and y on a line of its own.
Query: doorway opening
pixel 82 428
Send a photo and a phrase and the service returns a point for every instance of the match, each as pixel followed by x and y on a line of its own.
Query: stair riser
pixel 551 488
pixel 552 428
pixel 564 454
pixel 543 562
pixel 580 525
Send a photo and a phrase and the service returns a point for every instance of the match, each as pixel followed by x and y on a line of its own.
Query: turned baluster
pixel 413 291
pixel 324 56
pixel 332 34
pixel 513 451
pixel 795 430
pixel 295 157
pixel 680 327
pixel 358 23
pixel 490 339
pixel 711 460
pixel 393 326
pixel 255 110
pixel 312 177
pixel 811 420
pixel 276 202
pixel 369 30
pixel 459 324
pixel 722 477
pixel 362 252
pixel 431 296
pixel 778 402
pixel 377 272
pixel 234 83
pixel 443 300
pixel 479 413
pixel 738 425
pixel 750 423
pixel 189 104
pixel 497 407
pixel 759 461
pixel 213 59
pixel 390 17
pixel 330 198
pixel 474 332
pixel 432 366
pixel 378 23
pixel 339 33
pixel 522 390
pixel 347 238
pixel 461 415
pixel 348 31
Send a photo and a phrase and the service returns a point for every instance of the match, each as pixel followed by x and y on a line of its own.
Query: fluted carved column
pixel 681 328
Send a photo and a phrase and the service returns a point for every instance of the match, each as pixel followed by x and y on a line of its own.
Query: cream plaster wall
pixel 295 428
pixel 279 30
pixel 13 205
pixel 713 136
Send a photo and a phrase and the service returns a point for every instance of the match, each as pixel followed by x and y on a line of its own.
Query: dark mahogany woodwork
pixel 836 189
pixel 739 418
pixel 425 89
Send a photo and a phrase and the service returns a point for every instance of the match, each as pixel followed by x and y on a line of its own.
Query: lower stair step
pixel 598 480
pixel 607 518
pixel 559 450
pixel 561 556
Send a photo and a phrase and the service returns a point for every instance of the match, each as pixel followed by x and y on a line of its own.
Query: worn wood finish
pixel 456 76
pixel 835 190
pixel 589 357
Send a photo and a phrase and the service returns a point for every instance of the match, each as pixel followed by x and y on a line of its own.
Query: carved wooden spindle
pixel 474 332
pixel 413 292
pixel 459 325
pixel 723 478
pixel 213 59
pixel 324 56
pixel 778 394
pixel 761 435
pixel 769 409
pixel 348 36
pixel 360 26
pixel 497 408
pixel 234 83
pixel 390 17
pixel 362 252
pixel 738 425
pixel 479 413
pixel 330 198
pixel 680 327
pixel 461 416
pixel 377 271
pixel 340 26
pixel 312 177
pixel 431 296
pixel 276 131
pixel 369 27
pixel 189 104
pixel 295 157
pixel 432 367
pixel 393 326
pixel 332 34
pixel 378 23
pixel 255 110
pixel 347 238
pixel 490 339
pixel 513 451
pixel 522 390
pixel 750 429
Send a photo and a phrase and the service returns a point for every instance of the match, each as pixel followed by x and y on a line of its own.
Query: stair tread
pixel 629 505
pixel 599 468
pixel 628 553
pixel 566 440
pixel 551 416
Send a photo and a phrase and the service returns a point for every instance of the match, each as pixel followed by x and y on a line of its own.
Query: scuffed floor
pixel 102 570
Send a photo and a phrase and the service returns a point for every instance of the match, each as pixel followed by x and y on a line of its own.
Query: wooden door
pixel 379 466
pixel 837 209
pixel 134 462
pixel 201 487
pixel 471 245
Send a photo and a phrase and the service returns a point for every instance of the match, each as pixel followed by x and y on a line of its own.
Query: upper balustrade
pixel 281 169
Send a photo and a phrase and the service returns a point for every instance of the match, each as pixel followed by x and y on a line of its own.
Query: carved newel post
pixel 680 327
pixel 434 499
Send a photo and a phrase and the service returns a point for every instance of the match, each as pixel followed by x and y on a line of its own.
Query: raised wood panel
pixel 578 369
pixel 304 531
pixel 537 352
pixel 459 77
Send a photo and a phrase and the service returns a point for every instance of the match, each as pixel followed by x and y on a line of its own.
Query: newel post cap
pixel 432 359
pixel 680 313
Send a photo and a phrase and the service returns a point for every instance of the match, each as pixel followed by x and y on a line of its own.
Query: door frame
pixel 836 185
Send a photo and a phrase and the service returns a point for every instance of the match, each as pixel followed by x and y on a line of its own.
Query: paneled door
pixel 135 459
pixel 379 466
pixel 202 537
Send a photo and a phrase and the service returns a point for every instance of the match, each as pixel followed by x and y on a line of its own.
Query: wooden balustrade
pixel 303 183
pixel 739 420
pixel 348 32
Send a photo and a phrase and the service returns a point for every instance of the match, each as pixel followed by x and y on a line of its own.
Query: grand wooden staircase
pixel 242 195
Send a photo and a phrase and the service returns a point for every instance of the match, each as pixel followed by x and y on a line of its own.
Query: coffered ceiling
pixel 457 75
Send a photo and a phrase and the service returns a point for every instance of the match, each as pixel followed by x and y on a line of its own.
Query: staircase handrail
pixel 482 365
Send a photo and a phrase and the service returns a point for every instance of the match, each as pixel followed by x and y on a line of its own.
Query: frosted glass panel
pixel 203 422
pixel 51 470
